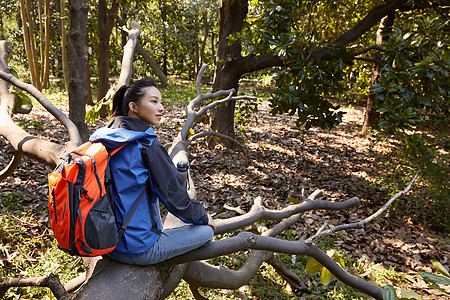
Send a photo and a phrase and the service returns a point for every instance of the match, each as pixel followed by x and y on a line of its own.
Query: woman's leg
pixel 173 242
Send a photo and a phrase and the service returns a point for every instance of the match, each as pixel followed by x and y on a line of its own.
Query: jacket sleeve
pixel 170 185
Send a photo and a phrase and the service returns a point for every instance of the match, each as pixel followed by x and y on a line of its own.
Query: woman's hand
pixel 211 223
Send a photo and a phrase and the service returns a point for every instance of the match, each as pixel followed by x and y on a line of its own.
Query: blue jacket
pixel 141 159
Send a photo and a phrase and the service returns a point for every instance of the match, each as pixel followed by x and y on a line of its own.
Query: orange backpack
pixel 81 204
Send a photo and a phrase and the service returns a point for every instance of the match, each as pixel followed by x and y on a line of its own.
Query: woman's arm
pixel 171 186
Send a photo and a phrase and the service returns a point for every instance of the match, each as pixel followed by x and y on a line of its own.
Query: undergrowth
pixel 27 249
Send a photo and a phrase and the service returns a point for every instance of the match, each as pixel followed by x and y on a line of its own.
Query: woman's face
pixel 149 109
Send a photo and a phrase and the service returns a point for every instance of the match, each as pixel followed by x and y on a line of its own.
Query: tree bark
pixel 27 41
pixel 371 115
pixel 78 57
pixel 46 50
pixel 106 19
pixel 65 61
pixel 130 281
pixel 163 9
pixel 227 71
pixel 153 64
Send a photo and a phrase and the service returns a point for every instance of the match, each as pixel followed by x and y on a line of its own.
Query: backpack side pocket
pixel 100 227
pixel 60 197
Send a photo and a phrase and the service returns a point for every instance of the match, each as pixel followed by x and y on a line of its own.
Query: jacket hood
pixel 122 130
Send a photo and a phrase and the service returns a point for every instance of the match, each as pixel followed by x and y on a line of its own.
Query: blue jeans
pixel 173 242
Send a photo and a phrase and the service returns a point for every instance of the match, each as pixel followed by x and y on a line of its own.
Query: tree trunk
pixel 131 281
pixel 46 62
pixel 78 55
pixel 371 115
pixel 29 42
pixel 228 70
pixel 106 19
pixel 163 9
pixel 153 64
pixel 65 62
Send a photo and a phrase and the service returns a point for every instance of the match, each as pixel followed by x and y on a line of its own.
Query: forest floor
pixel 278 163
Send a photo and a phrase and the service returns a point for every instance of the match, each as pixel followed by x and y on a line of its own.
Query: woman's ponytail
pixel 119 96
pixel 132 93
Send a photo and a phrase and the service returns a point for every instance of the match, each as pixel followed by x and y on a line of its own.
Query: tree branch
pixel 74 135
pixel 214 133
pixel 201 274
pixel 361 224
pixel 227 99
pixel 51 281
pixel 128 54
pixel 245 240
pixel 287 274
pixel 258 212
pixel 9 169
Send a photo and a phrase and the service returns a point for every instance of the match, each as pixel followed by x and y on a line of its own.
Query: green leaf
pixel 439 289
pixel 440 268
pixel 410 295
pixel 435 278
pixel 325 276
pixel 389 293
pixel 313 266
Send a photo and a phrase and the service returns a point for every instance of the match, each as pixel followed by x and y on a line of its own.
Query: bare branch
pixel 214 133
pixel 74 135
pixel 128 53
pixel 258 212
pixel 9 169
pixel 199 79
pixel 235 209
pixel 371 60
pixel 229 98
pixel 245 240
pixel 361 224
pixel 51 281
pixel 287 274
pixel 376 47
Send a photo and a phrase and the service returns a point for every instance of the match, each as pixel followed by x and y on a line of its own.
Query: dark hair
pixel 130 93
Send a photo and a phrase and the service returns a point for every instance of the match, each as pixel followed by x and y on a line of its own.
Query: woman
pixel 144 166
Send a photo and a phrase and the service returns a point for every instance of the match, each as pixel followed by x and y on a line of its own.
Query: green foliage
pixel 93 113
pixel 414 83
pixel 304 90
pixel 427 203
pixel 437 280
pixel 246 112
pixel 179 94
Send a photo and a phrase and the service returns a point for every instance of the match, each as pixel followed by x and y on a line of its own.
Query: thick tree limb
pixel 9 169
pixel 372 18
pixel 252 63
pixel 147 57
pixel 202 274
pixel 245 240
pixel 128 53
pixel 51 281
pixel 361 224
pixel 59 115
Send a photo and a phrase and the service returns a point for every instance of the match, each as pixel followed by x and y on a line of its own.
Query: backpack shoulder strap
pixel 131 213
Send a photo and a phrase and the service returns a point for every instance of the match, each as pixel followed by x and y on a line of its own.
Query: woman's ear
pixel 132 106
